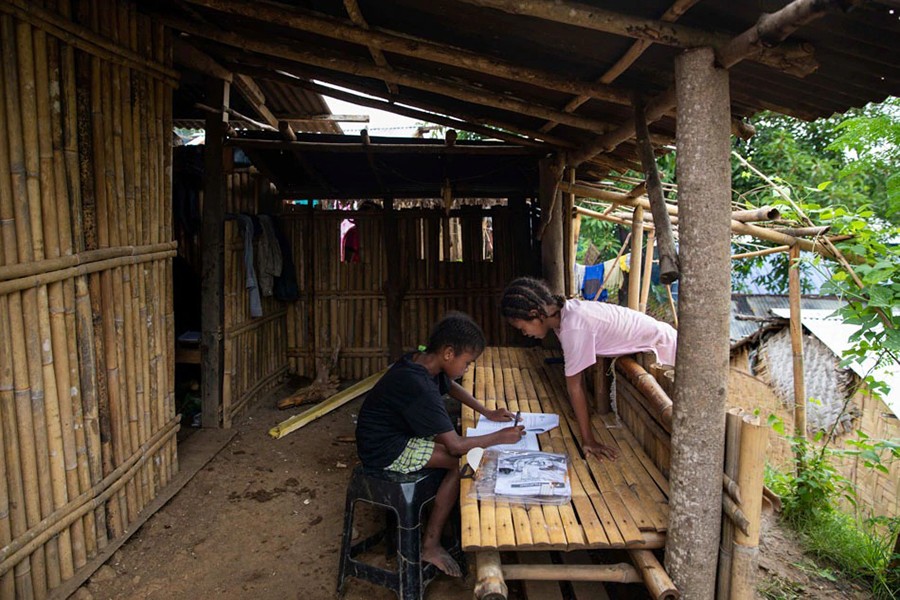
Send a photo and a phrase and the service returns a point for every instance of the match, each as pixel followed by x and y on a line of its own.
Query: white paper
pixel 532 474
pixel 533 422
pixel 529 442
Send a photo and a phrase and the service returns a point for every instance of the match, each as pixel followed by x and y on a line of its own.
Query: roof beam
pixel 255 97
pixel 632 54
pixel 418 48
pixel 355 14
pixel 468 125
pixel 194 59
pixel 796 59
pixel 769 29
pixel 436 85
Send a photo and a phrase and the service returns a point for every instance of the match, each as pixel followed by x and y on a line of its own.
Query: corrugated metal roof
pixel 835 334
pixel 751 313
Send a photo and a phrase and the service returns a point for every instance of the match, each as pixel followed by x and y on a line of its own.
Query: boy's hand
pixel 511 435
pixel 499 414
pixel 600 451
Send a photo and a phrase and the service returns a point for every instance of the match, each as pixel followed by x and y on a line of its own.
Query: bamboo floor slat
pixel 615 504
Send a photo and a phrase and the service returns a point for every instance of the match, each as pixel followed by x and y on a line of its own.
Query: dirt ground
pixel 263 519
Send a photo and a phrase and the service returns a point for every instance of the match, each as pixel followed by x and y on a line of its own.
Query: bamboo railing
pixel 86 376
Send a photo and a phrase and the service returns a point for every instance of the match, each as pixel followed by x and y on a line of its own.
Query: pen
pixel 516 422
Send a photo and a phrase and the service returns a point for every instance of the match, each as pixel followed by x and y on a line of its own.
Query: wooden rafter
pixel 356 16
pixel 389 106
pixel 769 29
pixel 437 85
pixel 794 59
pixel 418 48
pixel 248 88
pixel 632 54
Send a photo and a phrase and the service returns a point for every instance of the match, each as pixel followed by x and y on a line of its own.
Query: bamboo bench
pixel 620 504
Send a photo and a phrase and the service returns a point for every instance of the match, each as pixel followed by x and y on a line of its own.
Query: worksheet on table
pixel 533 422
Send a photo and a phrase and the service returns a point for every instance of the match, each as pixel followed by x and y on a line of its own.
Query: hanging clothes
pixel 269 256
pixel 247 230
pixel 286 288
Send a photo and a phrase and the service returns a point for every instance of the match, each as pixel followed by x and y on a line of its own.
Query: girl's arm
pixel 459 393
pixel 578 398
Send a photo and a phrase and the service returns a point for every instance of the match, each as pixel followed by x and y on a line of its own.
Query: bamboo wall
pixel 86 374
pixel 344 305
pixel 255 348
pixel 878 491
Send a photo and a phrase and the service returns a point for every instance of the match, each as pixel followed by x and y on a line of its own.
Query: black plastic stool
pixel 405 496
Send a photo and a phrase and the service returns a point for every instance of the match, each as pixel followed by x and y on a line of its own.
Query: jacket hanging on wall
pixel 269 256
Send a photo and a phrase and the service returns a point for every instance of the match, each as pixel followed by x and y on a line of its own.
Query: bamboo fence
pixel 444 264
pixel 255 348
pixel 86 375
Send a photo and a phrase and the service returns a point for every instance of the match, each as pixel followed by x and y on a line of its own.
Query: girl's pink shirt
pixel 590 329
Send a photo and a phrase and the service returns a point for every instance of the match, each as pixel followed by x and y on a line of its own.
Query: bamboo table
pixel 620 504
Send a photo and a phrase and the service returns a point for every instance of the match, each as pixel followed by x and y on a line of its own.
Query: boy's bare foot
pixel 442 560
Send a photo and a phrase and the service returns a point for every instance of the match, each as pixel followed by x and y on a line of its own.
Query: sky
pixel 381 123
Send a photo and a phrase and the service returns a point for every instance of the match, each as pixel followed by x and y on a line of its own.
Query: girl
pixel 585 330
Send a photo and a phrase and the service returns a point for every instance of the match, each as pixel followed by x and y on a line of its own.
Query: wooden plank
pixel 468 506
pixel 649 466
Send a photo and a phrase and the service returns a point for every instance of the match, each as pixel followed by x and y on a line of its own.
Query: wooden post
pixel 392 287
pixel 797 342
pixel 571 239
pixel 551 234
pixel 698 428
pixel 212 282
pixel 602 386
pixel 634 274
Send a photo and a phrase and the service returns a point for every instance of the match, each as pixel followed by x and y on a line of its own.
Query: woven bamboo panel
pixel 86 319
pixel 445 264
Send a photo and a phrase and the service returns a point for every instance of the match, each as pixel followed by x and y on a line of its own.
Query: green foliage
pixel 862 548
pixel 602 234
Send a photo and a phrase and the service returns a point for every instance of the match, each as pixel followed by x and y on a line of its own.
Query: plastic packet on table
pixel 523 477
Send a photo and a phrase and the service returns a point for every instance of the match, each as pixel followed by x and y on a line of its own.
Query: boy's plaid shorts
pixel 414 457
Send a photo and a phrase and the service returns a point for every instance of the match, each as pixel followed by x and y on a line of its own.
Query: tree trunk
pixel 698 429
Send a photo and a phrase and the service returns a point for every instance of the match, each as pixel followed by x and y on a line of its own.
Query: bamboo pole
pixel 753 215
pixel 13 498
pixel 326 406
pixel 672 305
pixel 658 401
pixel 37 321
pixel 750 478
pixel 726 543
pixel 490 584
pixel 654 576
pixel 648 272
pixel 796 329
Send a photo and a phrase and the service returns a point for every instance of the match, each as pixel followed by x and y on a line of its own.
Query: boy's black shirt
pixel 406 402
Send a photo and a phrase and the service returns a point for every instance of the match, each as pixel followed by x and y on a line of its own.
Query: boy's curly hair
pixel 458 331
pixel 525 295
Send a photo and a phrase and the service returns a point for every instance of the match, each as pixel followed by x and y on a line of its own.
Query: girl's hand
pixel 600 451
pixel 499 414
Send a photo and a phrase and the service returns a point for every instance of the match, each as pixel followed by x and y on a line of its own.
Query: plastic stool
pixel 404 496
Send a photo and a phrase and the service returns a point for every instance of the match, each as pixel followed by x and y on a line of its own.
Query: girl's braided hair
pixel 458 331
pixel 525 295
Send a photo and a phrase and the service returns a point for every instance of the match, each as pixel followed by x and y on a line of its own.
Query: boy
pixel 404 426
